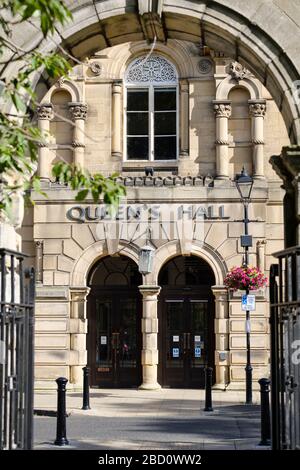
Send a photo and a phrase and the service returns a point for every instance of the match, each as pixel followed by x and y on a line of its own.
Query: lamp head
pixel 244 184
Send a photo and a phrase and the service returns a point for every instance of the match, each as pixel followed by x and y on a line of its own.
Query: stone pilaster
pixel 257 110
pixel 44 114
pixel 222 110
pixel 149 331
pixel 260 254
pixel 287 166
pixel 222 360
pixel 78 113
pixel 116 146
pixel 78 331
pixel 184 118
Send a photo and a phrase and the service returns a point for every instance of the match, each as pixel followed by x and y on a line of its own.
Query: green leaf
pixel 82 195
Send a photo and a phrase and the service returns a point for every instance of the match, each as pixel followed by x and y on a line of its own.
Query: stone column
pixel 116 146
pixel 44 114
pixel 257 110
pixel 78 331
pixel 260 254
pixel 222 360
pixel 149 331
pixel 184 118
pixel 223 112
pixel 78 112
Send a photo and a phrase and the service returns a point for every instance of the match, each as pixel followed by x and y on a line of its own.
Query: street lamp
pixel 244 184
pixel 146 256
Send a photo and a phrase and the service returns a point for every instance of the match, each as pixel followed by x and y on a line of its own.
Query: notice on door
pixel 197 352
pixel 175 352
pixel 175 339
pixel 103 340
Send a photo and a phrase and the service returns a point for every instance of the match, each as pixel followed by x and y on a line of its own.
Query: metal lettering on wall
pixel 147 212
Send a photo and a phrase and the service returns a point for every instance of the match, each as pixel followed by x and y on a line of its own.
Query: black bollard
pixel 265 412
pixel 86 389
pixel 61 438
pixel 208 386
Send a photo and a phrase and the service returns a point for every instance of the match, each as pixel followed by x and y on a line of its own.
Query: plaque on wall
pixel 103 369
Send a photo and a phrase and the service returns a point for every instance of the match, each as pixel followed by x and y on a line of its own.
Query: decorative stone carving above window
pixel 45 111
pixel 222 110
pixel 152 69
pixel 78 110
pixel 204 66
pixel 238 71
pixel 96 68
pixel 257 109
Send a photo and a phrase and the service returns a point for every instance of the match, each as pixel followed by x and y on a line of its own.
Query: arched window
pixel 151 118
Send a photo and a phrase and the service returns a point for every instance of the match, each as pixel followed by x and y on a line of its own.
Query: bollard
pixel 265 412
pixel 61 438
pixel 208 386
pixel 86 389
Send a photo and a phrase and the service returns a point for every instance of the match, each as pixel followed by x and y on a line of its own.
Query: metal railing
pixel 16 351
pixel 285 349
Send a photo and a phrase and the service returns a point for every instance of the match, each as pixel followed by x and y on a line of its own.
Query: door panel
pixel 186 338
pixel 114 338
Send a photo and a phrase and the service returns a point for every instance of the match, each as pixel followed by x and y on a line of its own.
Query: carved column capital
pixel 257 108
pixel 222 108
pixel 78 110
pixel 45 111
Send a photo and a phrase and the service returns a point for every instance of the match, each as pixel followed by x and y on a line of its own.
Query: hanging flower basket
pixel 242 278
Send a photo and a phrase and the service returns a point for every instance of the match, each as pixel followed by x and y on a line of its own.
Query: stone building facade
pixel 176 121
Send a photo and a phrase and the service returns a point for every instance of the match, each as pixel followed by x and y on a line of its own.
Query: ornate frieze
pixel 78 110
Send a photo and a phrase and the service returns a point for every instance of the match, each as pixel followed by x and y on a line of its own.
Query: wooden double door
pixel 186 337
pixel 114 337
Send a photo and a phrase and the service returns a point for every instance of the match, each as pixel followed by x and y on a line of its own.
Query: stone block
pixel 257 357
pixel 77 326
pixel 52 357
pixel 51 308
pixel 257 326
pixel 61 279
pixel 77 357
pixel 44 231
pixel 275 214
pixel 216 235
pixel 55 325
pixel 49 372
pixel 274 231
pixel 51 247
pixel 57 341
pixel 221 326
pixel 64 263
pixel 82 235
pixel 71 249
pixel 48 278
pixel 49 262
pixel 257 341
pixel 238 373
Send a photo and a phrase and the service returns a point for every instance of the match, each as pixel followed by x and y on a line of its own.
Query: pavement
pixel 167 419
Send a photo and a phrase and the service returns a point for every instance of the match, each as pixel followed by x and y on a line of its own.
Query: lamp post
pixel 244 184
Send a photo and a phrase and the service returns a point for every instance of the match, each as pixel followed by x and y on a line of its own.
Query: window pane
pixel 165 123
pixel 165 148
pixel 137 100
pixel 137 148
pixel 137 123
pixel 165 99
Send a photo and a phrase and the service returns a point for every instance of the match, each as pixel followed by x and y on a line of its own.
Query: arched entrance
pixel 114 323
pixel 186 322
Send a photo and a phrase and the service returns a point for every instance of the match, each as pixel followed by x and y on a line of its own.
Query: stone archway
pixel 244 32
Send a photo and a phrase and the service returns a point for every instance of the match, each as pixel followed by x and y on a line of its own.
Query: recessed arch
pixel 228 84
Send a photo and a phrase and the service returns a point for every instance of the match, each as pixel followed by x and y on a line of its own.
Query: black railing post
pixel 265 412
pixel 86 389
pixel 208 386
pixel 61 438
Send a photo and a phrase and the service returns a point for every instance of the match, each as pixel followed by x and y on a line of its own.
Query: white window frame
pixel 150 87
